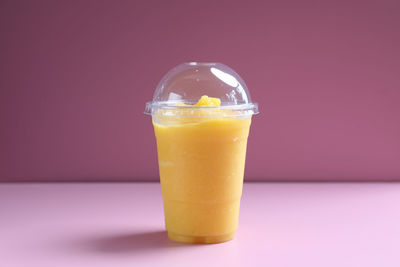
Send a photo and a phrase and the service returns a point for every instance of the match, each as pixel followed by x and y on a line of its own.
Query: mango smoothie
pixel 201 163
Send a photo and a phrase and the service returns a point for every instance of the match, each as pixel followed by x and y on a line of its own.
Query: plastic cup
pixel 201 150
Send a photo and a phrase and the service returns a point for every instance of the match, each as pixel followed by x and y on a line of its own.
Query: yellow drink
pixel 201 163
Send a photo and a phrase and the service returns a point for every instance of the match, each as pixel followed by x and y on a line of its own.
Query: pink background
pixel 121 224
pixel 75 77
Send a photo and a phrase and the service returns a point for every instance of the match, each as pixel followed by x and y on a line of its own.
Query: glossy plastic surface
pixel 188 82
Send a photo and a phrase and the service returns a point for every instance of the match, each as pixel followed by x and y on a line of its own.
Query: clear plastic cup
pixel 201 149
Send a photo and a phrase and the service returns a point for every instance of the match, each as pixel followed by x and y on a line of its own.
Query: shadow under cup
pixel 201 164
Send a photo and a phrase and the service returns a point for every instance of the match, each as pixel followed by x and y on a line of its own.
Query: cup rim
pixel 165 106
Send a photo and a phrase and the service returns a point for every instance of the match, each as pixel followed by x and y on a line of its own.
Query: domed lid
pixel 186 83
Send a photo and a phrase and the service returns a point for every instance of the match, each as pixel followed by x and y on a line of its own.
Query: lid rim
pixel 252 108
pixel 172 105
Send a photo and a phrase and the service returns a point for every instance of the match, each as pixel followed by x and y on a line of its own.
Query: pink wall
pixel 75 77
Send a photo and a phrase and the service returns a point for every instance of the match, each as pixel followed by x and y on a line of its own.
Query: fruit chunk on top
pixel 206 101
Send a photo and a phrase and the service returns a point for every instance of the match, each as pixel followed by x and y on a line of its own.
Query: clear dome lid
pixel 185 84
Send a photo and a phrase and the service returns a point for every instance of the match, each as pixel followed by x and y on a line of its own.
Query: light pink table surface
pixel 281 224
